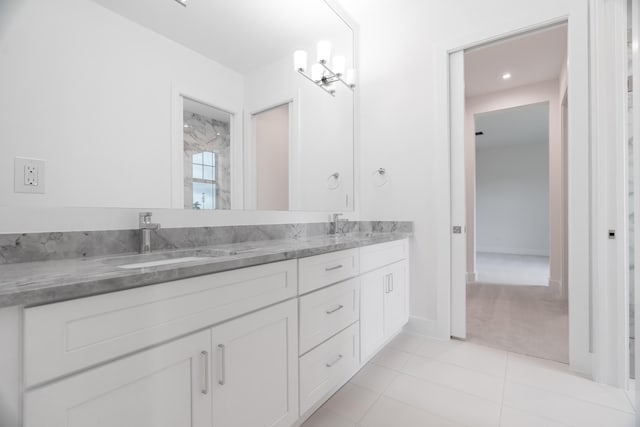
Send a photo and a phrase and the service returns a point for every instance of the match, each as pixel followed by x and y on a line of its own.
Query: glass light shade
pixel 351 77
pixel 300 60
pixel 316 72
pixel 339 63
pixel 324 51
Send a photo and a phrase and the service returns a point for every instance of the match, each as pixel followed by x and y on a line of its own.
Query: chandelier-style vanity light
pixel 322 75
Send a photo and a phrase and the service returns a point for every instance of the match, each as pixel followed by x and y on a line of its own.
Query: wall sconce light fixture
pixel 322 75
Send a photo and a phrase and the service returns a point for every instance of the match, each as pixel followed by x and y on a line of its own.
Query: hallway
pixel 509 269
pixel 530 320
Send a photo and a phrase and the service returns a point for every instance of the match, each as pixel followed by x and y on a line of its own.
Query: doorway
pixel 271 128
pixel 513 186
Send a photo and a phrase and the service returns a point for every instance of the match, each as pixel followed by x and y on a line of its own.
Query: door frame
pixel 579 172
pixel 179 91
pixel 635 16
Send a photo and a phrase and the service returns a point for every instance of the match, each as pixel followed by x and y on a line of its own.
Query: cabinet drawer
pixel 327 311
pixel 321 270
pixel 327 367
pixel 68 336
pixel 376 256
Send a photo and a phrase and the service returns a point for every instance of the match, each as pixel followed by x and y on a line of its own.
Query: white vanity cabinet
pixel 384 296
pixel 166 386
pixel 235 374
pixel 396 303
pixel 261 346
pixel 255 374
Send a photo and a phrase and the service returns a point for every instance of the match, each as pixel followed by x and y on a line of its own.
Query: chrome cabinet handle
pixel 387 285
pixel 330 364
pixel 337 267
pixel 204 356
pixel 340 307
pixel 391 282
pixel 222 377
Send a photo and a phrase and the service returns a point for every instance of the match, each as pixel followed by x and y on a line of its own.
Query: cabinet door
pixel 255 361
pixel 372 329
pixel 395 298
pixel 166 386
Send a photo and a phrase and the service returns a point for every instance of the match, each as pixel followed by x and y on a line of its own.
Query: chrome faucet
pixel 145 225
pixel 334 227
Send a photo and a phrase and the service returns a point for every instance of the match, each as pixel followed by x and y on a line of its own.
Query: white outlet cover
pixel 20 166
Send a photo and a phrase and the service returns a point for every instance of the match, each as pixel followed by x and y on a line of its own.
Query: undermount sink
pixel 158 259
pixel 162 262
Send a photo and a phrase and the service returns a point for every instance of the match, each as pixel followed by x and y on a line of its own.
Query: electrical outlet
pixel 29 175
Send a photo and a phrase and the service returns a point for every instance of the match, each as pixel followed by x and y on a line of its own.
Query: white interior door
pixel 458 205
pixel 635 19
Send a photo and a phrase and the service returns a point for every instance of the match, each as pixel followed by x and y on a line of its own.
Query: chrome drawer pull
pixel 330 364
pixel 205 360
pixel 222 379
pixel 337 267
pixel 340 307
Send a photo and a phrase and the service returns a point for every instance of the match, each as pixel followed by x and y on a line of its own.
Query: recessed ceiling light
pixel 506 76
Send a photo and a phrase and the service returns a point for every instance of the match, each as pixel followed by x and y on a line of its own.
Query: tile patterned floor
pixel 417 382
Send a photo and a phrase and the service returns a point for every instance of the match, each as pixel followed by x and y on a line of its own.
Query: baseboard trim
pixel 513 251
pixel 425 327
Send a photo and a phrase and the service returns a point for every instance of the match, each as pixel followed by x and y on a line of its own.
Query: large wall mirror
pixel 191 104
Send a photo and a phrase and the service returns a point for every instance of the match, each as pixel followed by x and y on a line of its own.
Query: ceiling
pixel 241 34
pixel 527 124
pixel 529 58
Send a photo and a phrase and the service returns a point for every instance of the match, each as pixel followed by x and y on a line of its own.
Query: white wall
pixel 401 44
pixel 90 92
pixel 512 199
pixel 523 95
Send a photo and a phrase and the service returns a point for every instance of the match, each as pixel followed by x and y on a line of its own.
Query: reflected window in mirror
pixel 204 182
pixel 207 164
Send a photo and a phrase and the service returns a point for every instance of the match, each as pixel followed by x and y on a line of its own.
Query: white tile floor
pixel 512 269
pixel 417 382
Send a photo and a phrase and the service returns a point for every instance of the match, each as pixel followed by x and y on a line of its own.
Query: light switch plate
pixel 29 175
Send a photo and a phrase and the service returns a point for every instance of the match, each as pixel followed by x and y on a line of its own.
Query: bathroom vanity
pixel 253 336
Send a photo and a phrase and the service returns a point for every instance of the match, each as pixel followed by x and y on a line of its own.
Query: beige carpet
pixel 530 320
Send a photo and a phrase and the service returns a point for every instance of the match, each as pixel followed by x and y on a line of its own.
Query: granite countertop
pixel 35 283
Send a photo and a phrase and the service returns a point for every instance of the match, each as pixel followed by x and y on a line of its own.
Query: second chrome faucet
pixel 145 225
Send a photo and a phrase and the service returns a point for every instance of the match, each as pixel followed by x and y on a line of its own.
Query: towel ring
pixel 333 181
pixel 380 177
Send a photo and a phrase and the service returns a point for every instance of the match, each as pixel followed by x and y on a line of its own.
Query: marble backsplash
pixel 29 247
